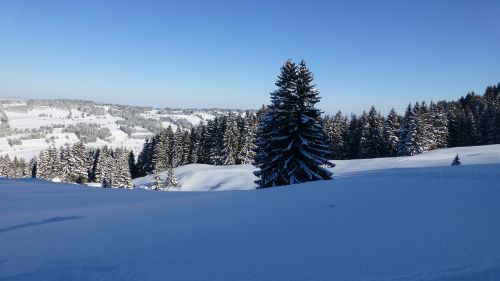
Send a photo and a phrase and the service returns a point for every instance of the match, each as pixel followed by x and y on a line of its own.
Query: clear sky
pixel 228 53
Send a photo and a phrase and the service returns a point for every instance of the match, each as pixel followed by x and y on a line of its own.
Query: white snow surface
pixel 200 177
pixel 430 222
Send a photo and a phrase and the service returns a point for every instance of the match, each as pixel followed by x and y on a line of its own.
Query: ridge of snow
pixel 201 177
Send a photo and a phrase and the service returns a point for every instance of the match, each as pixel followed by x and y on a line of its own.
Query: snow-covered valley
pixel 406 219
pixel 29 126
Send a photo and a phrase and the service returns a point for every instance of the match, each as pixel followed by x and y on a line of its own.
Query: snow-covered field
pixel 200 177
pixel 36 117
pixel 398 219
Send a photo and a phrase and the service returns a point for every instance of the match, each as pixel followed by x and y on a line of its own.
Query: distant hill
pixel 27 126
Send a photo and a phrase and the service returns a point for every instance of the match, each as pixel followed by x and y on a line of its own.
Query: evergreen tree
pixel 134 172
pixel 33 167
pixel 247 150
pixel 145 159
pixel 354 137
pixel 186 147
pixel 121 174
pixel 65 160
pixel 161 150
pixel 178 151
pixel 194 145
pixel 216 143
pixel 408 133
pixel 205 140
pixel 337 133
pixel 94 158
pixel 372 140
pixel 158 183
pixel 42 165
pixel 171 180
pixel 391 139
pixel 439 125
pixel 425 138
pixel 105 167
pixel 231 140
pixel 292 146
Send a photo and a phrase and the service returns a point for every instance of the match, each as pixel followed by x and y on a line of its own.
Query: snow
pixel 36 118
pixel 420 220
pixel 51 116
pixel 195 118
pixel 200 177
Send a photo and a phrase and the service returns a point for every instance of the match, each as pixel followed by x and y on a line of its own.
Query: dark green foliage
pixel 291 143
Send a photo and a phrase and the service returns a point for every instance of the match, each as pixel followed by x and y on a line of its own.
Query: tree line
pixel 471 120
pixel 288 140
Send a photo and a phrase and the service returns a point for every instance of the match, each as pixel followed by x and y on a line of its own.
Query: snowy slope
pixel 198 177
pixel 426 224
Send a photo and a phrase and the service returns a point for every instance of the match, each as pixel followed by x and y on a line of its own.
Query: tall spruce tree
pixel 79 163
pixel 337 134
pixel 372 140
pixel 292 146
pixel 247 150
pixel 425 139
pixel 439 125
pixel 354 137
pixel 134 172
pixel 408 134
pixel 391 127
pixel 231 140
pixel 121 174
pixel 216 141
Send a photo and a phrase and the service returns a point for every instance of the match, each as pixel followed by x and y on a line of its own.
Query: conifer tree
pixel 186 148
pixel 33 167
pixel 79 162
pixel 408 133
pixel 337 134
pixel 247 150
pixel 65 161
pixel 292 146
pixel 391 139
pixel 105 168
pixel 121 174
pixel 216 143
pixel 144 160
pixel 171 180
pixel 371 142
pixel 161 156
pixel 132 166
pixel 354 137
pixel 439 125
pixel 178 149
pixel 158 183
pixel 194 145
pixel 231 139
pixel 42 165
pixel 425 139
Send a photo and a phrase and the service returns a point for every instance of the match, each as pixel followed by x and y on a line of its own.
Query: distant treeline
pixel 229 139
pixel 471 120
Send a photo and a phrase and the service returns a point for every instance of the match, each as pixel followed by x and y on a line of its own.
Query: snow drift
pixel 201 177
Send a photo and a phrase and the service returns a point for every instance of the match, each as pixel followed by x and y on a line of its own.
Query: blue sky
pixel 228 53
